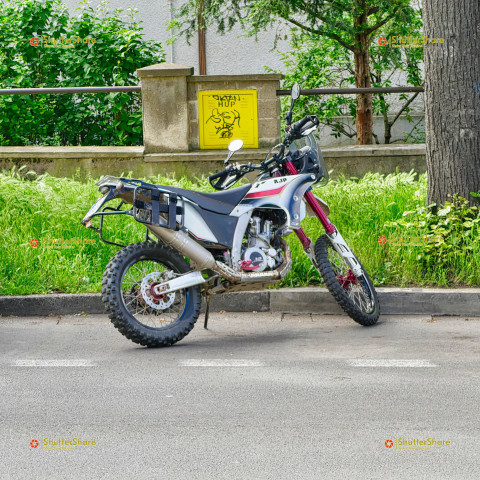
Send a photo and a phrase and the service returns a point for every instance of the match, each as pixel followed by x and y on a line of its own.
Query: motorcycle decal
pixel 265 193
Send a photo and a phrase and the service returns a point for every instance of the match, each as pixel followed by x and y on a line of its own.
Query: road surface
pixel 257 396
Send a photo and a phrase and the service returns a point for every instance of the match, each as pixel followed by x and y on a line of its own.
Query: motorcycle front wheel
pixel 356 295
pixel 130 300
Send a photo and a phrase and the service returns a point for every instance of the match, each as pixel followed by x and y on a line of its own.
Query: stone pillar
pixel 165 107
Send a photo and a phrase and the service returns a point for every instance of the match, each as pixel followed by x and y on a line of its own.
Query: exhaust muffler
pixel 181 242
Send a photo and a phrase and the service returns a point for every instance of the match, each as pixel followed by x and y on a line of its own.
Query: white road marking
pixel 220 363
pixel 373 362
pixel 53 363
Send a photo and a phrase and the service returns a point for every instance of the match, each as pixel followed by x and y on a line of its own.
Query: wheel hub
pixel 158 302
pixel 347 280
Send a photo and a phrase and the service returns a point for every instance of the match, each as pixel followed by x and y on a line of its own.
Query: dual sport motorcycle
pixel 226 241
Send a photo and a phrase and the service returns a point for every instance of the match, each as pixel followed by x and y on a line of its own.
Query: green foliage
pixel 315 62
pixel 85 119
pixel 450 237
pixel 46 208
pixel 330 18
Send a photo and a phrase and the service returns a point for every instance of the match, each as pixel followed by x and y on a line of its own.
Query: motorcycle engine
pixel 259 254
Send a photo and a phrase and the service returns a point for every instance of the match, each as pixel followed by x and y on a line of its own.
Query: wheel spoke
pixel 150 310
pixel 352 286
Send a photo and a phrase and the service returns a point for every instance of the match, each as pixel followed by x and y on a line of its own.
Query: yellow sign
pixel 227 115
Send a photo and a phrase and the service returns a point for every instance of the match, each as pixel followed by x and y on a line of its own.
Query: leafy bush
pixel 113 51
pixel 450 238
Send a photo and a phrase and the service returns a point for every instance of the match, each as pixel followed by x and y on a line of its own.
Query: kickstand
pixel 207 311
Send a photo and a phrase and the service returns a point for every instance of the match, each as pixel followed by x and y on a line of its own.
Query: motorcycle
pixel 226 241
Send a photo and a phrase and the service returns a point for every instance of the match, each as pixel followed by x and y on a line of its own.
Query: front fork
pixel 333 234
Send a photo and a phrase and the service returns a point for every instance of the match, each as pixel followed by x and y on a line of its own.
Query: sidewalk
pixel 393 301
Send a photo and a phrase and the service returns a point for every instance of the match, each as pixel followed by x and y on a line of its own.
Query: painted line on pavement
pixel 395 363
pixel 53 363
pixel 220 363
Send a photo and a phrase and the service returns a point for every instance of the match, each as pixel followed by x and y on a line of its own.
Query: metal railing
pixel 138 88
pixel 345 91
pixel 37 91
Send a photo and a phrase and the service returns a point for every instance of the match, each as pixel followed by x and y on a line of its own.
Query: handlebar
pixel 297 126
pixel 228 177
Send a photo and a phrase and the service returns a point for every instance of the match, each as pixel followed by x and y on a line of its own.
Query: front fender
pixel 323 205
pixel 295 202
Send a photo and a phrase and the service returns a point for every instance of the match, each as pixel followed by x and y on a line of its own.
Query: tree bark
pixel 364 121
pixel 452 98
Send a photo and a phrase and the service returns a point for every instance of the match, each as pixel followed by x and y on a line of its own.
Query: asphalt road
pixel 257 396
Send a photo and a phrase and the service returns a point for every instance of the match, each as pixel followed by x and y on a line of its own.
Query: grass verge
pixel 420 249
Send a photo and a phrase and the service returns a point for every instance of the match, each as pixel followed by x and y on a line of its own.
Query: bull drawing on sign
pixel 225 121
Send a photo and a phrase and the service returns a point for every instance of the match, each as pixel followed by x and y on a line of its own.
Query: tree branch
pixel 333 36
pixel 315 14
pixel 370 30
pixel 409 135
pixel 404 107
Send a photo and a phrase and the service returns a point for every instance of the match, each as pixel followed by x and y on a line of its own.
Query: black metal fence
pixel 138 88
pixel 37 91
pixel 345 91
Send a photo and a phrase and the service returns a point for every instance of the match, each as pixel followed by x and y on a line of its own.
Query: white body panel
pixel 284 193
pixel 195 224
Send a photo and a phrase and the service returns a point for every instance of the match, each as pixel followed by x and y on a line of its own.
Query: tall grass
pixel 50 209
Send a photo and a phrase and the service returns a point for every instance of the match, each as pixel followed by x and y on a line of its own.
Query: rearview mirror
pixel 295 91
pixel 235 145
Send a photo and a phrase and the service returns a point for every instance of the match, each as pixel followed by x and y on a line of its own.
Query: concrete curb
pixel 393 301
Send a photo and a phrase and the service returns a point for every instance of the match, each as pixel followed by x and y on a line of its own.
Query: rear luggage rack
pixel 157 201
pixel 150 205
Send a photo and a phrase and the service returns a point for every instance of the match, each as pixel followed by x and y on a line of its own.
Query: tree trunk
pixel 452 98
pixel 364 121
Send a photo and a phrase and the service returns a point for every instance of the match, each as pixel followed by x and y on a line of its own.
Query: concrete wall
pixel 401 126
pixel 234 54
pixel 170 105
pixel 352 161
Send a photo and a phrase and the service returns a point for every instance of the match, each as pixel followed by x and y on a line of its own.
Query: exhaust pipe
pixel 203 259
pixel 243 277
pixel 185 245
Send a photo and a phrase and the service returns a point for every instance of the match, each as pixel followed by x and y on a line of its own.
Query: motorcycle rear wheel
pixel 132 306
pixel 356 295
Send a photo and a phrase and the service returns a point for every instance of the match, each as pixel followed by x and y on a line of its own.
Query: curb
pixel 315 300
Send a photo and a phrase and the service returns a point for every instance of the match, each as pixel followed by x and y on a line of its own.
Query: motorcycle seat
pixel 219 202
